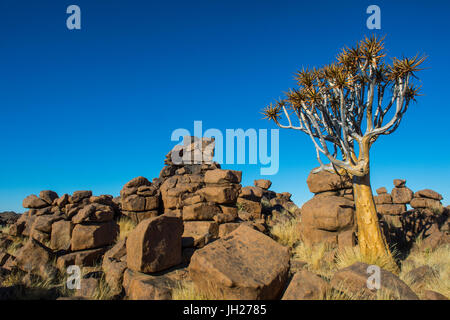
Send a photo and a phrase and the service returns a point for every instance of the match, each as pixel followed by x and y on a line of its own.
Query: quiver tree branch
pixel 344 107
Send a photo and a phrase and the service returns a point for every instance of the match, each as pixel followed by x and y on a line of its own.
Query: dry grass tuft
pixel 348 256
pixel 438 260
pixel 319 258
pixel 126 225
pixel 186 290
pixel 286 232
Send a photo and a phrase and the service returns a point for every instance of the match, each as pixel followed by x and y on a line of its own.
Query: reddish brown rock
pixel 78 196
pixel 114 265
pixel 34 258
pixel 399 183
pixel 381 190
pixel 62 201
pixel 244 265
pixel 427 193
pixel 384 198
pixel 353 281
pixel 48 196
pixel 155 244
pixel 425 203
pixel 61 235
pixel 93 235
pixel 251 193
pixel 80 258
pixel 253 208
pixel 432 295
pixel 33 202
pixel 227 228
pixel 94 212
pixel 199 233
pixel 402 195
pixel 263 184
pixel 44 223
pixel 391 209
pixel 220 194
pixel 223 176
pixel 306 285
pixel 139 286
pixel 312 236
pixel 328 213
pixel 201 211
pixel 327 181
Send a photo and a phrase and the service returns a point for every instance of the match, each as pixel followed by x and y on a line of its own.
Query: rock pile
pixel 73 229
pixel 330 215
pixel 428 216
pixel 140 199
pixel 196 223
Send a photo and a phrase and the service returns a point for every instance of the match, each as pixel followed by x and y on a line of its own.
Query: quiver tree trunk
pixel 371 240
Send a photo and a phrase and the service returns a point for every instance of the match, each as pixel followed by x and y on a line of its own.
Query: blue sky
pixel 93 108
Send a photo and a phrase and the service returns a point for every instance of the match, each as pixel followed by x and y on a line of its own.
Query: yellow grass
pixel 348 256
pixel 438 260
pixel 319 258
pixel 126 225
pixel 286 233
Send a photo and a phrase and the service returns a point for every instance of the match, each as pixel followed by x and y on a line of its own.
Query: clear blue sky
pixel 93 108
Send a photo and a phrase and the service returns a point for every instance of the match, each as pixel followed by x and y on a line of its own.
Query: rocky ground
pixel 196 233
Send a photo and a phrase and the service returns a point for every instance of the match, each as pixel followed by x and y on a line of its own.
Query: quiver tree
pixel 344 107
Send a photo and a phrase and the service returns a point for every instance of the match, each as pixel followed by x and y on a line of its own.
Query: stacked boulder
pixel 427 199
pixel 140 199
pixel 330 215
pixel 392 206
pixel 152 248
pixel 427 218
pixel 74 230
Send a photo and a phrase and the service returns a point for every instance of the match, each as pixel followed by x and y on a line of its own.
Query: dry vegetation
pixel 126 225
pixel 324 260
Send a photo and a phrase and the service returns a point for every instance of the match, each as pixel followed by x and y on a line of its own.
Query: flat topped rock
pixel 326 181
pixel 245 264
pixel 263 184
pixel 428 193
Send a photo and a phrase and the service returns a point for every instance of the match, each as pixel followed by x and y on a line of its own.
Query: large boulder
pixel 391 209
pixel 94 212
pixel 114 265
pixel 93 235
pixel 263 184
pixel 140 286
pixel 305 285
pixel 155 244
pixel 199 233
pixel 427 193
pixel 244 265
pixel 34 258
pixel 425 203
pixel 223 176
pixel 61 235
pixel 220 194
pixel 33 202
pixel 326 181
pixel 402 195
pixel 80 258
pixel 201 211
pixel 329 213
pixel 48 196
pixel 352 281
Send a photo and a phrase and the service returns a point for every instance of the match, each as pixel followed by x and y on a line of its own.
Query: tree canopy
pixel 346 105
